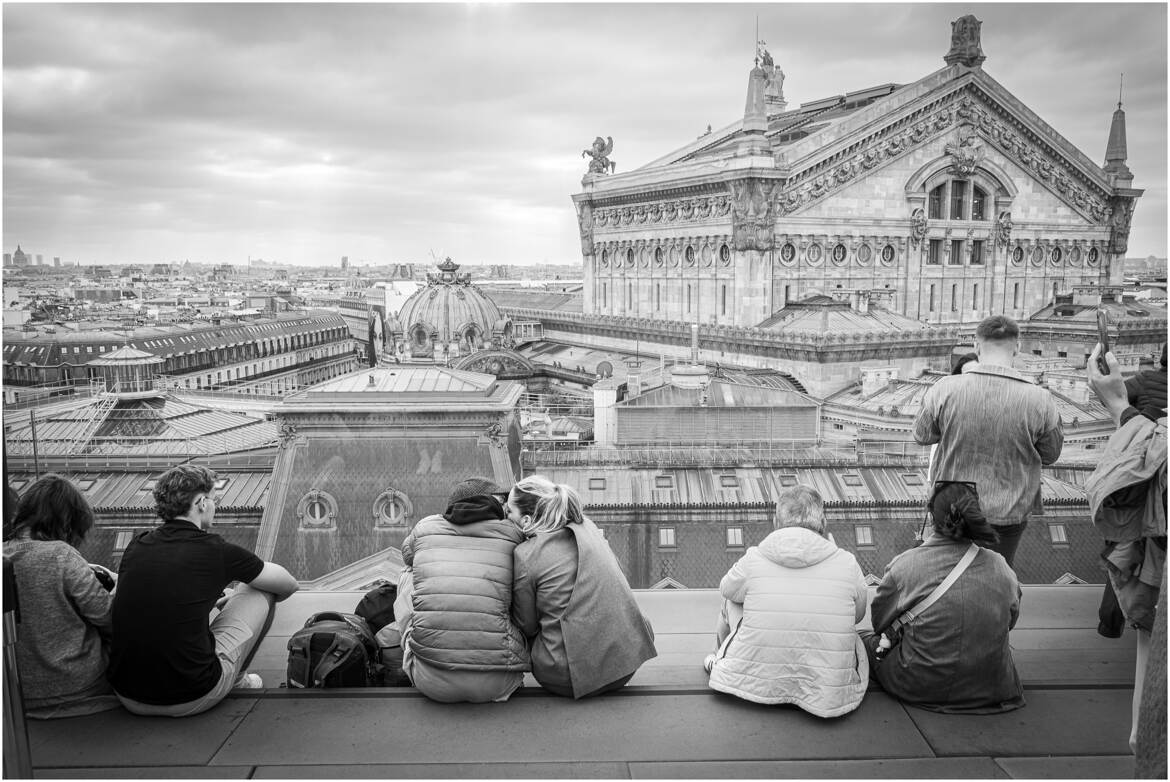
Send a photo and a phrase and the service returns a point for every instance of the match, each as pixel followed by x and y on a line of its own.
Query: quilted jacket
pixel 463 590
pixel 797 643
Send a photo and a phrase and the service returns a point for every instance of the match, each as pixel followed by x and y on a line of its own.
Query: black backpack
pixel 333 650
pixel 377 606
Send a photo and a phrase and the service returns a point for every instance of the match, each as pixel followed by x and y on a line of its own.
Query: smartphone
pixel 1103 338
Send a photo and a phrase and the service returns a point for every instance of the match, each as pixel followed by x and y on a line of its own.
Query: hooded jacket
pixel 797 642
pixel 462 600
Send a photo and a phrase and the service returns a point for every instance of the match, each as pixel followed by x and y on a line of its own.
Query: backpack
pixel 377 606
pixel 333 650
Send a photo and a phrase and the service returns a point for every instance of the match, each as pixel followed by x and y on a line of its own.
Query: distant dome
pixel 449 310
pixel 19 257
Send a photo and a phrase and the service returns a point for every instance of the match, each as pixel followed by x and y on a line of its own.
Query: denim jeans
pixel 1009 540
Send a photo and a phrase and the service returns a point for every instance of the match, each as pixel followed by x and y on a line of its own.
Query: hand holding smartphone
pixel 1103 338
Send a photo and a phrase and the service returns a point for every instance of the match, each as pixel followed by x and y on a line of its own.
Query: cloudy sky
pixel 300 133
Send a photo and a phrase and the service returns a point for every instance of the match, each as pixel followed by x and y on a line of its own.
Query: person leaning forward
pixel 994 428
pixel 169 656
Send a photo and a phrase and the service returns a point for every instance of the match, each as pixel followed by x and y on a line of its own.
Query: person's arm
pixel 860 597
pixel 733 586
pixel 1110 389
pixel 926 431
pixel 1051 440
pixel 275 580
pixel 92 600
pixel 884 609
pixel 524 613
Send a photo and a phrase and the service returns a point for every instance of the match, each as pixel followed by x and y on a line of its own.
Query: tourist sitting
pixel 455 598
pixel 787 630
pixel 62 646
pixel 951 655
pixel 570 597
pixel 169 657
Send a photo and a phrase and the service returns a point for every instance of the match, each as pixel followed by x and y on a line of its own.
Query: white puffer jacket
pixel 797 643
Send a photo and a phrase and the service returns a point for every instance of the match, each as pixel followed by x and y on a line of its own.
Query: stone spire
pixel 1115 151
pixel 754 142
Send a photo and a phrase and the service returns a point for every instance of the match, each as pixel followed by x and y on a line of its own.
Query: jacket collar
pixel 995 369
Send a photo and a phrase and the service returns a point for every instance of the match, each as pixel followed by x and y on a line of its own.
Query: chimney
pixel 874 379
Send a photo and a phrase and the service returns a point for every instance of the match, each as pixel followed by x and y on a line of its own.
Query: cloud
pixel 380 131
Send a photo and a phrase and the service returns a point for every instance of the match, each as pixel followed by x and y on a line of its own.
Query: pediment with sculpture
pixel 503 364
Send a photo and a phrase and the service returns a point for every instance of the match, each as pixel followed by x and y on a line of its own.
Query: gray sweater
pixel 63 632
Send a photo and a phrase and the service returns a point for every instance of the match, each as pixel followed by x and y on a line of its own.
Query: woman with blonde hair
pixel 570 597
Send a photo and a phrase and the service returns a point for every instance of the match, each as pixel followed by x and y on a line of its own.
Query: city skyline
pixel 302 133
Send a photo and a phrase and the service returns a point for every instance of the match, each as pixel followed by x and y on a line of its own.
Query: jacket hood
pixel 797 547
pixel 482 507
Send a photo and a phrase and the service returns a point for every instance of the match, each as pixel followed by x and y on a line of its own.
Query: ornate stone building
pixel 949 193
pixel 449 317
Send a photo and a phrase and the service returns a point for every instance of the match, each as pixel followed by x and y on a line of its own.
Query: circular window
pixel 1074 256
pixel 724 254
pixel 630 257
pixel 392 508
pixel 1018 255
pixel 604 259
pixel 1055 257
pixel 672 257
pixel 814 254
pixel 888 254
pixel 839 253
pixel 644 257
pixel 788 253
pixel 864 255
pixel 658 257
pixel 707 255
pixel 690 255
pixel 1037 255
pixel 317 510
pixel 1094 256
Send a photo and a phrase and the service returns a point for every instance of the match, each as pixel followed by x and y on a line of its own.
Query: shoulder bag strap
pixel 912 613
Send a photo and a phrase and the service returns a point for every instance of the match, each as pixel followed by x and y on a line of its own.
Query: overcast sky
pixel 300 133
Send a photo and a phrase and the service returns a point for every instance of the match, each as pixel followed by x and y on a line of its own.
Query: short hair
pixel 955 513
pixel 997 328
pixel 800 506
pixel 177 487
pixel 549 506
pixel 52 509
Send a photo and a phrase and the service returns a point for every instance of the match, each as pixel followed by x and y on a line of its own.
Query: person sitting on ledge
pixel 954 656
pixel 787 630
pixel 455 599
pixel 570 597
pixel 63 644
pixel 169 657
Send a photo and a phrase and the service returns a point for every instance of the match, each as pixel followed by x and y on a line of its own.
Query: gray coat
pixel 955 657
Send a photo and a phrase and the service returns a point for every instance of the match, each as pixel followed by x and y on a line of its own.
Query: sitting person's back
pixel 458 641
pixel 62 647
pixel 1147 390
pixel 788 630
pixel 955 656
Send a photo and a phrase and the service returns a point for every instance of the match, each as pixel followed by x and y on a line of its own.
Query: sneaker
pixel 249 681
pixel 708 663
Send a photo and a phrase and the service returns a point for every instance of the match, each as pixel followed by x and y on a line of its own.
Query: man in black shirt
pixel 169 656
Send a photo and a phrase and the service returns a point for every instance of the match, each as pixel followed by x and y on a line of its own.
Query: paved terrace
pixel 665 724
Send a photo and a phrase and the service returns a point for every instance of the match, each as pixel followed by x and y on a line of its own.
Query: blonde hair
pixel 549 506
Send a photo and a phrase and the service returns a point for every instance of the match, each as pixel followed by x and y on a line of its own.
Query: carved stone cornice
pixel 665 212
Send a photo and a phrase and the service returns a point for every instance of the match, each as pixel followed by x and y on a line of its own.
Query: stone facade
pixel 948 191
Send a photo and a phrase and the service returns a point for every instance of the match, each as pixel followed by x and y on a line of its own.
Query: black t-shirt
pixel 163 651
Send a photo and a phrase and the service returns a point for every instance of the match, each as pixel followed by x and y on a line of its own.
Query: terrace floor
pixel 665 724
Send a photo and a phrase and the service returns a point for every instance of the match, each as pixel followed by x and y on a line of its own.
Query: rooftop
pixel 665 724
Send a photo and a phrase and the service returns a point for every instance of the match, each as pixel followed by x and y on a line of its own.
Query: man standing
pixel 994 428
pixel 169 657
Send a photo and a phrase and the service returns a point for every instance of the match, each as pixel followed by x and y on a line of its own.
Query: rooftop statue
pixel 965 45
pixel 600 163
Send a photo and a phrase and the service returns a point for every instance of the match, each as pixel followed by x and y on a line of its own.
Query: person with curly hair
pixel 170 656
pixel 63 645
pixel 954 656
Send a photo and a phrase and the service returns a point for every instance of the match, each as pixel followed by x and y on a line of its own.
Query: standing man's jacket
pixel 463 589
pixel 996 428
pixel 802 597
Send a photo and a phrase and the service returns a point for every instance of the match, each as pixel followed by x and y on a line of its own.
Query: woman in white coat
pixel 787 633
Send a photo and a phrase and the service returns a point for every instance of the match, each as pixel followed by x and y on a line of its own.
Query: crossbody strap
pixel 912 613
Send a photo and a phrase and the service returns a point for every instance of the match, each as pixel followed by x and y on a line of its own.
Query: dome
pixel 449 312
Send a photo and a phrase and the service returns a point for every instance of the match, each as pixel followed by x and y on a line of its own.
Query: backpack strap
pixel 912 613
pixel 329 662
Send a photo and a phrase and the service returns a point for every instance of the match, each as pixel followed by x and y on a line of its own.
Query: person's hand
pixel 1110 389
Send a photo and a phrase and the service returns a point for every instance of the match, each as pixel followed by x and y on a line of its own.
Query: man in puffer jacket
pixel 787 633
pixel 458 640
